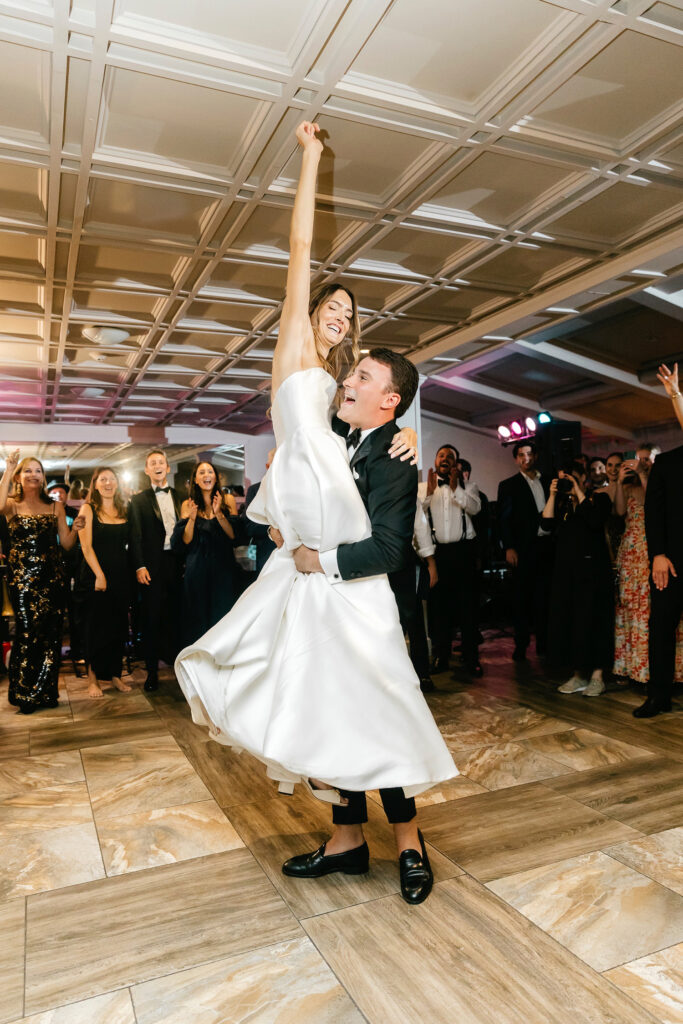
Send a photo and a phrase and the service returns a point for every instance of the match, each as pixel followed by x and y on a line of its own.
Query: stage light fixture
pixel 530 424
pixel 503 431
pixel 544 417
pixel 516 428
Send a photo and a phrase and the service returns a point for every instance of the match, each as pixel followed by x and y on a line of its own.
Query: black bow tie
pixel 353 438
pixel 443 483
pixel 161 490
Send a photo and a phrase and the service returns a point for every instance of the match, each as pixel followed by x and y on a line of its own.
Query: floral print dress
pixel 631 657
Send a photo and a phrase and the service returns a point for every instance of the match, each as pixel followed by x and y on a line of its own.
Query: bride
pixel 314 679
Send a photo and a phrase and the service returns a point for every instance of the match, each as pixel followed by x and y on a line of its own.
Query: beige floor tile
pixel 288 983
pixel 12 959
pixel 11 719
pixel 659 856
pixel 112 1008
pixel 645 794
pixel 507 764
pixel 582 749
pixel 601 910
pixel 50 858
pixel 165 836
pixel 285 826
pixel 476 725
pixel 94 938
pixel 462 956
pixel 27 773
pixel 454 789
pixel 128 778
pixel 96 731
pixel 504 832
pixel 655 982
pixel 51 807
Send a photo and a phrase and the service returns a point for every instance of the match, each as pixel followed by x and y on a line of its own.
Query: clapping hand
pixel 192 509
pixel 431 481
pixel 216 504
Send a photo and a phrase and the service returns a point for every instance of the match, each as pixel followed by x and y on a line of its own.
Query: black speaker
pixel 558 443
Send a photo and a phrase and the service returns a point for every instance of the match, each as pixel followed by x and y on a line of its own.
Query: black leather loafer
pixel 651 708
pixel 427 684
pixel 316 864
pixel 151 684
pixel 416 874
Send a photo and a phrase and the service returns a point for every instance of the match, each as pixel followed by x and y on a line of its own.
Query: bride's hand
pixel 404 443
pixel 307 138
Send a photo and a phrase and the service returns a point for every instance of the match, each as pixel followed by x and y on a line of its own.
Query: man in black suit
pixel 153 514
pixel 380 388
pixel 528 548
pixel 663 529
pixel 257 532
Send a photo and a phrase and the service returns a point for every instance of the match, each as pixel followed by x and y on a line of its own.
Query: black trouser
pixel 666 607
pixel 455 598
pixel 397 807
pixel 531 587
pixel 160 614
pixel 415 624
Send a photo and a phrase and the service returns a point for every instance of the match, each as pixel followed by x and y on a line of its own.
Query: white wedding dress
pixel 312 678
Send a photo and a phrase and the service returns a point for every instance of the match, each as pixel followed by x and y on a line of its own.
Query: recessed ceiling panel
pixel 24 90
pixel 266 233
pixel 436 49
pixel 152 212
pixel 525 268
pixel 616 93
pixel 406 251
pixel 22 192
pixel 138 120
pixel 617 212
pixel 454 304
pixel 126 267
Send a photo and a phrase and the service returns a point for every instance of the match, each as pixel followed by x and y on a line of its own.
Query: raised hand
pixel 669 378
pixel 431 481
pixel 13 460
pixel 192 509
pixel 307 138
pixel 217 503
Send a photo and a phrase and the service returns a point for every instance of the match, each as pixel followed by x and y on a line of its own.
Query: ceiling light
pixel 544 417
pixel 647 273
pixel 495 337
pixel 105 335
pixel 530 424
pixel 87 392
pixel 446 359
pixel 516 428
pixel 503 431
pixel 560 309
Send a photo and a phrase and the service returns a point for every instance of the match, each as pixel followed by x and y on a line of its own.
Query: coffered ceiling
pixel 490 165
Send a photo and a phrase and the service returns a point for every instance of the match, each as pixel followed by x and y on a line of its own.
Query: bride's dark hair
pixel 348 350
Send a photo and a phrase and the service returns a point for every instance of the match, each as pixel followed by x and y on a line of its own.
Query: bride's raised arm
pixel 295 348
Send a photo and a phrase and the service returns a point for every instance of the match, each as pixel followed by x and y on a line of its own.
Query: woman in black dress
pixel 105 576
pixel 36 582
pixel 205 536
pixel 581 627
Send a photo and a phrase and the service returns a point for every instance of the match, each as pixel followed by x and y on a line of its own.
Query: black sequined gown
pixel 37 588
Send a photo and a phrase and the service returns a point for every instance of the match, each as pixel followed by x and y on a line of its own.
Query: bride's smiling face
pixel 333 317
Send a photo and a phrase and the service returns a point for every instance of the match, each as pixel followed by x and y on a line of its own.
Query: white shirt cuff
pixel 328 560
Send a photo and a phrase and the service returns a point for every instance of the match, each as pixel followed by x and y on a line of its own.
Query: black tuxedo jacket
pixel 147 532
pixel 388 488
pixel 664 507
pixel 518 517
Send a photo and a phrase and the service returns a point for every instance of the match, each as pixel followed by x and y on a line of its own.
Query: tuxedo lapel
pixel 370 445
pixel 154 504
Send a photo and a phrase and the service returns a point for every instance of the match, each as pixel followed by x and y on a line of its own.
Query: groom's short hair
pixel 405 379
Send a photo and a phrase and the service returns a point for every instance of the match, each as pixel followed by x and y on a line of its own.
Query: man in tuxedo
pixel 663 529
pixel 378 390
pixel 257 532
pixel 153 514
pixel 528 547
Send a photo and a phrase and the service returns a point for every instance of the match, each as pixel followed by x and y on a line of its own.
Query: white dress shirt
pixel 422 535
pixel 328 559
pixel 449 508
pixel 536 488
pixel 168 516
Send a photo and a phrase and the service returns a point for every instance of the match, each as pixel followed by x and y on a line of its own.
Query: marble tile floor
pixel 140 879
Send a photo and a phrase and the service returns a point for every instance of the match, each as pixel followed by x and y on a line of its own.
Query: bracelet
pixel 675 394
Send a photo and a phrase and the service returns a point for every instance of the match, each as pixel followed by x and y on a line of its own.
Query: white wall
pixel 256 448
pixel 490 462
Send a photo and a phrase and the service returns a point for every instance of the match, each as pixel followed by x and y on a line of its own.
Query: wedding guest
pixel 36 581
pixel 597 472
pixel 450 504
pixel 230 501
pixel 153 514
pixel 612 465
pixel 77 493
pixel 206 538
pixel 528 547
pixel 105 579
pixel 581 628
pixel 256 532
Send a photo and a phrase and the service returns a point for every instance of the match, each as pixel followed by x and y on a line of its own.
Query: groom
pixel 379 389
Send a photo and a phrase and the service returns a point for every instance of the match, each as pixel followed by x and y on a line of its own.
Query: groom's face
pixel 369 400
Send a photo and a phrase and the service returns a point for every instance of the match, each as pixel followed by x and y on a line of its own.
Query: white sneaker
pixel 594 688
pixel 574 685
